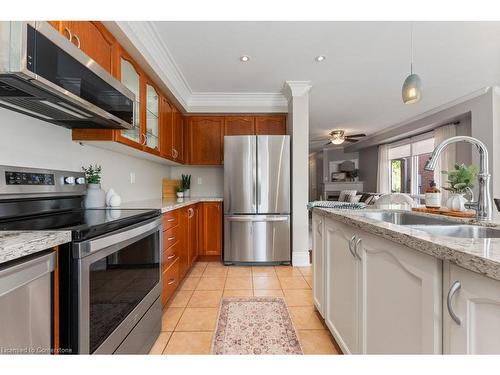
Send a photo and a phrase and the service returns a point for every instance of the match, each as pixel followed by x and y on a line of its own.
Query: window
pixel 406 161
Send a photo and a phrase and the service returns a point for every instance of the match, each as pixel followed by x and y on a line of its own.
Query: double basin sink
pixel 434 225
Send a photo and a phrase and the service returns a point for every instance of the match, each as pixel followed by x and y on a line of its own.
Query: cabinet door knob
pixel 318 227
pixel 171 257
pixel 171 281
pixel 455 287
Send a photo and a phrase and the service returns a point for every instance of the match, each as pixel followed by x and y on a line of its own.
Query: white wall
pixel 26 141
pixel 212 180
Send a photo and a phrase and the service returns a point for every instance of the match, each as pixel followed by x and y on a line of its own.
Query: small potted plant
pixel 186 184
pixel 95 197
pixel 354 174
pixel 461 180
pixel 179 191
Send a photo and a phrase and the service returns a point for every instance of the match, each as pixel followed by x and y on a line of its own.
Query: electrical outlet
pixel 132 177
pixel 199 180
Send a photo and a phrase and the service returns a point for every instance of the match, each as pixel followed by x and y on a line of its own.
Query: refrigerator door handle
pixel 257 218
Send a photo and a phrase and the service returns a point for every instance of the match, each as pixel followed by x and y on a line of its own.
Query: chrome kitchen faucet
pixel 483 205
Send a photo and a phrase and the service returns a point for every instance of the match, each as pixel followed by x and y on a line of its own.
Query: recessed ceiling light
pixel 320 58
pixel 245 58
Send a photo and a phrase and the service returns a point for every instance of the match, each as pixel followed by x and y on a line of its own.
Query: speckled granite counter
pixel 166 205
pixel 17 244
pixel 481 255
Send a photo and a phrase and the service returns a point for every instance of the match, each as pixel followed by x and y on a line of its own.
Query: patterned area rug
pixel 255 325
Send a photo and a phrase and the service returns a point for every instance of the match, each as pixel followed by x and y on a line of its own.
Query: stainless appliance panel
pixel 35 94
pixel 273 174
pixel 256 238
pixel 26 307
pixel 239 174
pixel 116 287
pixel 144 334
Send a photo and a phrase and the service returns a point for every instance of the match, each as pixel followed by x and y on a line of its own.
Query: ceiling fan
pixel 338 136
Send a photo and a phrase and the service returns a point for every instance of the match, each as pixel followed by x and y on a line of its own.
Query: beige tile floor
pixel 190 317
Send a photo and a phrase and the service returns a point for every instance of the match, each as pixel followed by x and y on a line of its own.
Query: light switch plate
pixel 132 177
pixel 199 180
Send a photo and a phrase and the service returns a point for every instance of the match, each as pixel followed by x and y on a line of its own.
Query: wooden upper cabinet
pixel 166 128
pixel 205 140
pixel 151 111
pixel 239 125
pixel 178 151
pixel 270 125
pixel 92 38
pixel 211 228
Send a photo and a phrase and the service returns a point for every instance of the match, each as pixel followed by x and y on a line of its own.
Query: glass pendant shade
pixel 412 89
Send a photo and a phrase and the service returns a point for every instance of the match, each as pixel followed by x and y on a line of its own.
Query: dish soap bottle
pixel 432 196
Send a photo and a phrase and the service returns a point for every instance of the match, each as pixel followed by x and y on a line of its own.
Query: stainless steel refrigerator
pixel 257 199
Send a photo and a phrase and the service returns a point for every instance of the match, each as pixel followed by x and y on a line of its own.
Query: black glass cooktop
pixel 84 224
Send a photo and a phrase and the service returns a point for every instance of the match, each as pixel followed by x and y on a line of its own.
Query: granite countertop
pixel 166 205
pixel 481 255
pixel 17 244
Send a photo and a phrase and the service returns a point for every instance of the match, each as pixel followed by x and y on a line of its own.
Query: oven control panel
pixel 19 181
pixel 23 178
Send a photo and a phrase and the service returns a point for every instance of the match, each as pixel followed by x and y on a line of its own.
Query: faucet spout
pixel 484 203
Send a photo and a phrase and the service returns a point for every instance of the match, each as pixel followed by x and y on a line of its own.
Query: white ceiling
pixel 358 86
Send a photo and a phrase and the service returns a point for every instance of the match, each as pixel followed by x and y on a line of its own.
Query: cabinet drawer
pixel 170 219
pixel 170 237
pixel 170 255
pixel 170 281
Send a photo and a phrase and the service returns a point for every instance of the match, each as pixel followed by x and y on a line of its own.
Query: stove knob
pixel 69 180
pixel 80 180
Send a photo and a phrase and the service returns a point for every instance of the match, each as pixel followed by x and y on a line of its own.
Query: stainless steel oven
pixel 118 287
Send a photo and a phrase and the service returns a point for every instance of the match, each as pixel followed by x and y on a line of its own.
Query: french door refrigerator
pixel 257 199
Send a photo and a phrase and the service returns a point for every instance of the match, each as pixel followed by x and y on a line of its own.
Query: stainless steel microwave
pixel 44 75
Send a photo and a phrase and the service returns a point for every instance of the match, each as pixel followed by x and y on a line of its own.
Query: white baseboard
pixel 300 259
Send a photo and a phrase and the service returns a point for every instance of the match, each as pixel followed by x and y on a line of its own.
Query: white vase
pixel 96 197
pixel 187 192
pixel 180 194
pixel 456 202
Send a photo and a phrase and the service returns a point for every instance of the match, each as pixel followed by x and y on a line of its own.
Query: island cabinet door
pixel 318 257
pixel 471 320
pixel 401 298
pixel 342 286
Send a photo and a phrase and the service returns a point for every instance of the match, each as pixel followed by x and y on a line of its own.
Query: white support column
pixel 297 93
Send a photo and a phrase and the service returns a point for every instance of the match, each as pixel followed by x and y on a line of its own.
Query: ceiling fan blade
pixel 347 139
pixel 318 140
pixel 326 144
pixel 356 135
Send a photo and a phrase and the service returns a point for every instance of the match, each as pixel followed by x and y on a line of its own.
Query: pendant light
pixel 412 86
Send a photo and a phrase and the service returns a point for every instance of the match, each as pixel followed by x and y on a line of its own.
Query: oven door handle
pixel 85 248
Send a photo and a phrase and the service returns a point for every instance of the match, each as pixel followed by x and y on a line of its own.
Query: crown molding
pixel 296 88
pixel 145 38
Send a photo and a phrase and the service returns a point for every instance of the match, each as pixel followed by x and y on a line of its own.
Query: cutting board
pixel 168 188
pixel 446 211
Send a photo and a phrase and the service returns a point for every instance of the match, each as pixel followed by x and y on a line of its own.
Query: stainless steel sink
pixel 405 218
pixel 459 231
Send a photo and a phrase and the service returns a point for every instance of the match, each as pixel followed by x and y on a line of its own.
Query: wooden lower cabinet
pixel 211 228
pixel 181 231
pixel 171 281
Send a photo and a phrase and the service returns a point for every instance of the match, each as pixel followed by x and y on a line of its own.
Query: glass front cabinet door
pixel 152 117
pixel 130 77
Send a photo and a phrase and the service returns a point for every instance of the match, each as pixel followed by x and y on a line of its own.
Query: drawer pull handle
pixel 170 220
pixel 171 238
pixel 171 281
pixel 171 257
pixel 454 288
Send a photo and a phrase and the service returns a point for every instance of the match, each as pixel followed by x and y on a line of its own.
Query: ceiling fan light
pixel 337 141
pixel 412 89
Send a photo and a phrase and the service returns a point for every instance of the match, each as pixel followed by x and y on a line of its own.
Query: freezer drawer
pixel 256 238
